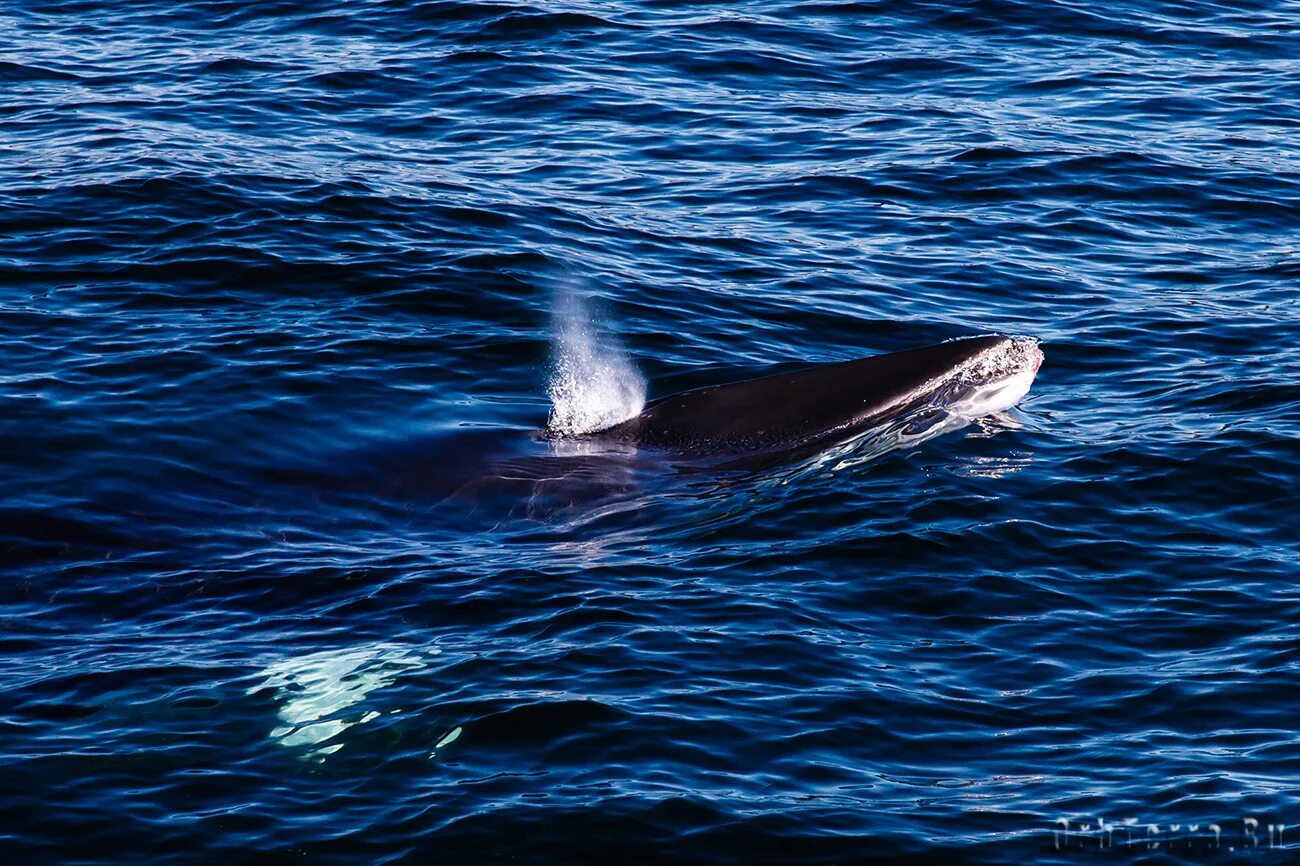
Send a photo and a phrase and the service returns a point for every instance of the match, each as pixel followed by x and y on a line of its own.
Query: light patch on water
pixel 317 689
pixel 594 383
pixel 995 467
pixel 446 741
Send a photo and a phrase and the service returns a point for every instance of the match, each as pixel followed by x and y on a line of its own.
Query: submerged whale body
pixel 808 410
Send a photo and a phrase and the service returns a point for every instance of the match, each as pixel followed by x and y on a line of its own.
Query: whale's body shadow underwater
pixel 846 413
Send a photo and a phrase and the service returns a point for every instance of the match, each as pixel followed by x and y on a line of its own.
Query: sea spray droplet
pixel 594 384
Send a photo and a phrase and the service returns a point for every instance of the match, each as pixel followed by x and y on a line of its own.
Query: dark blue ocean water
pixel 287 574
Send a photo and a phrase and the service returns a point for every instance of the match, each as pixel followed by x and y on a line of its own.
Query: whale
pixel 802 412
pixel 848 412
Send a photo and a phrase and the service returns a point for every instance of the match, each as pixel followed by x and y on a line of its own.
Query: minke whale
pixel 845 413
pixel 806 411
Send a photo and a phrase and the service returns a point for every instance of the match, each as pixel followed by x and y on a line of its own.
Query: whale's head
pixel 808 410
pixel 996 378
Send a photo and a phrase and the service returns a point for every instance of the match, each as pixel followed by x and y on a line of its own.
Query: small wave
pixel 10 71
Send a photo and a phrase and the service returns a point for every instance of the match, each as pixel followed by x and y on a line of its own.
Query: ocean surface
pixel 289 574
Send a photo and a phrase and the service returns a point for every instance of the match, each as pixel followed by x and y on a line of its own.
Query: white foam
pixel 593 384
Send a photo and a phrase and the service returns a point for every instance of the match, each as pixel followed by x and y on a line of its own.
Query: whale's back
pixel 800 408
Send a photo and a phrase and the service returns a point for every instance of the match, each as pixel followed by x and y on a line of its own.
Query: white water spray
pixel 594 384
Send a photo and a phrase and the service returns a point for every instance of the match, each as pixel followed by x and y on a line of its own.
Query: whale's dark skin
pixel 804 410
